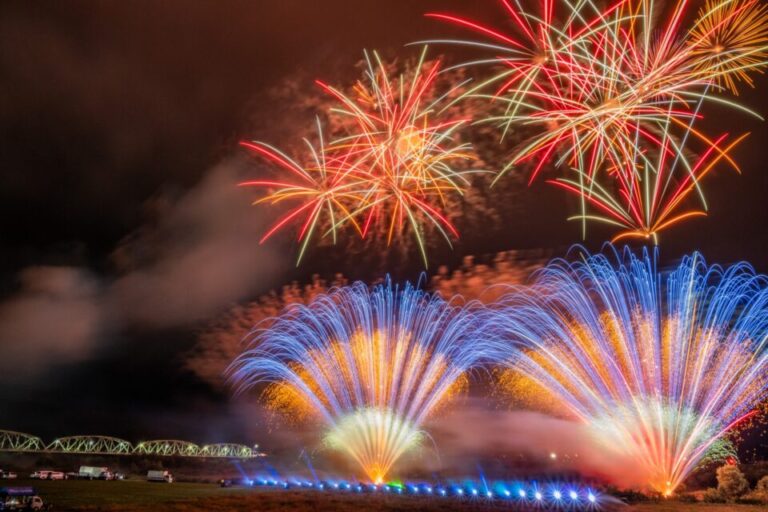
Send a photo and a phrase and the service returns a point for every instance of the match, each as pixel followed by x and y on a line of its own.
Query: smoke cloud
pixel 56 317
pixel 202 256
pixel 199 256
pixel 522 441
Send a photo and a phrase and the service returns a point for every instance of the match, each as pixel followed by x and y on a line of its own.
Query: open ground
pixel 141 496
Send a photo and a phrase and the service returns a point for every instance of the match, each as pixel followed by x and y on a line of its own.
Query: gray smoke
pixel 198 257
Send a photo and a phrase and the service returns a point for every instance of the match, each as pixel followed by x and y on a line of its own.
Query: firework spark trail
pixel 319 189
pixel 659 366
pixel 651 196
pixel 371 365
pixel 396 163
pixel 612 97
pixel 730 40
pixel 397 143
pixel 589 82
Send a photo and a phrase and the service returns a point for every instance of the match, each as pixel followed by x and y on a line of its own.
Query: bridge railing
pixel 11 441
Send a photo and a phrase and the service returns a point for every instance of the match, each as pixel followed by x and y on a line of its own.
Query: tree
pixel 713 495
pixel 761 489
pixel 731 482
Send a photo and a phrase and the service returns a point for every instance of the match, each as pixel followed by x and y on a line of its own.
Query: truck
pixel 94 473
pixel 20 498
pixel 159 476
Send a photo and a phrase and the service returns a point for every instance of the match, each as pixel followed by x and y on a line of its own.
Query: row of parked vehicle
pixel 85 473
pixel 96 473
pixel 26 498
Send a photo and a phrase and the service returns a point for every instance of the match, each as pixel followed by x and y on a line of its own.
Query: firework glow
pixel 425 255
pixel 393 166
pixel 730 40
pixel 370 365
pixel 613 99
pixel 660 366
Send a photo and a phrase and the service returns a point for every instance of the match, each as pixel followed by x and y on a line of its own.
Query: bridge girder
pixel 228 450
pixel 11 441
pixel 97 445
pixel 167 447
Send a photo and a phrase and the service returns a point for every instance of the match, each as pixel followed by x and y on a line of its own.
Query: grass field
pixel 140 496
pixel 693 507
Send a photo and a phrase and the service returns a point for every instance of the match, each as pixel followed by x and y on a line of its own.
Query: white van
pixel 159 476
pixel 94 473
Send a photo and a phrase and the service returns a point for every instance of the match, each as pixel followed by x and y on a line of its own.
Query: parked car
pixel 47 474
pixel 159 476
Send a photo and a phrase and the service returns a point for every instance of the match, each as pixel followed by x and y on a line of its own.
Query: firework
pixel 730 39
pixel 659 366
pixel 392 165
pixel 652 194
pixel 371 365
pixel 323 196
pixel 611 98
pixel 588 83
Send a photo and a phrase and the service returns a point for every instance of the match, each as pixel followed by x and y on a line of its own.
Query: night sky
pixel 122 233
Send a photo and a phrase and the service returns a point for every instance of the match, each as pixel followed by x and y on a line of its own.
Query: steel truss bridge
pixel 103 445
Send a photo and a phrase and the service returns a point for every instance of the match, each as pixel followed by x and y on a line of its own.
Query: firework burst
pixel 589 83
pixel 369 365
pixel 653 193
pixel 322 195
pixel 392 165
pixel 611 98
pixel 660 367
pixel 730 40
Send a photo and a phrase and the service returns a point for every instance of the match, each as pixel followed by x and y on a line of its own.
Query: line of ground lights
pixel 550 495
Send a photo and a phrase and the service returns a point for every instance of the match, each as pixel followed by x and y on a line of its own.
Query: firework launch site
pixel 134 494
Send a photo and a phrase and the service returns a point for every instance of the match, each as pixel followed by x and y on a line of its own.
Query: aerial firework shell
pixel 610 99
pixel 595 85
pixel 391 165
pixel 659 366
pixel 371 365
pixel 730 40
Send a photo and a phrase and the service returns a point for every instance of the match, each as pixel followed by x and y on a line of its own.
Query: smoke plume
pixel 524 441
pixel 199 256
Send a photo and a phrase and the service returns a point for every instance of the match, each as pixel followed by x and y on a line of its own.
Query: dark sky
pixel 114 118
